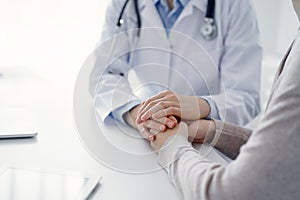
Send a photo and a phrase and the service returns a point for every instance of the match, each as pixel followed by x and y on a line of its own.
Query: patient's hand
pixel 199 129
pixel 157 125
pixel 195 131
pixel 162 137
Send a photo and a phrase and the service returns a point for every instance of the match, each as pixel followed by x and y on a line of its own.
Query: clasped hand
pixel 168 103
pixel 162 113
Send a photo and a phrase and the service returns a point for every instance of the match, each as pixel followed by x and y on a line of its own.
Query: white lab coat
pixel 130 68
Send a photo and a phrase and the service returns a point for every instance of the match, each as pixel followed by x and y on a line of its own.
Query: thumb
pixel 183 129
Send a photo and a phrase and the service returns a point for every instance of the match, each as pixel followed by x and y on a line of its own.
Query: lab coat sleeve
pixel 119 113
pixel 240 66
pixel 213 108
pixel 108 80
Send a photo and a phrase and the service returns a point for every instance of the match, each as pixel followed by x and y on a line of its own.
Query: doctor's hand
pixel 168 103
pixel 199 129
pixel 158 125
pixel 161 138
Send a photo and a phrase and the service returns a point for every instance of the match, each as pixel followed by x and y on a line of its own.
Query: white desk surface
pixel 58 146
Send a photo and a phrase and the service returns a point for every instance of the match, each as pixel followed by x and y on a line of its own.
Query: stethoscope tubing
pixel 210 14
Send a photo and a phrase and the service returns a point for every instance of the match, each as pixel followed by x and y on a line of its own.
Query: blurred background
pixel 53 38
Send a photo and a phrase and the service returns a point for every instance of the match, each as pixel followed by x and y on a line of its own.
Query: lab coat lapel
pixel 189 9
pixel 153 44
pixel 151 19
pixel 150 15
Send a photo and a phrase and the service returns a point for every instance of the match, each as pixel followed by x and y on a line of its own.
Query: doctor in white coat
pixel 158 49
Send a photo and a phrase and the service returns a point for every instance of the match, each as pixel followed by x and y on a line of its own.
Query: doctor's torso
pixel 134 64
pixel 182 60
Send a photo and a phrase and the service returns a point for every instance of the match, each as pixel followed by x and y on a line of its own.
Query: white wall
pixel 51 37
pixel 278 24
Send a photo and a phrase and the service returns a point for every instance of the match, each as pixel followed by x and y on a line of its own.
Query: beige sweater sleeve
pixel 228 138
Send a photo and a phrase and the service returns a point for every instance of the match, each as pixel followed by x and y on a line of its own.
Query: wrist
pixel 211 132
pixel 204 108
pixel 131 115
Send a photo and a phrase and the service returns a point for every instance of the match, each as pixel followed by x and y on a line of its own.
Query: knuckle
pixel 172 96
pixel 165 92
pixel 165 112
pixel 152 103
pixel 161 104
pixel 147 101
pixel 165 120
pixel 171 110
pixel 160 114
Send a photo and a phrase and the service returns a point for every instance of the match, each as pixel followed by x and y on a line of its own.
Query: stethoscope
pixel 208 30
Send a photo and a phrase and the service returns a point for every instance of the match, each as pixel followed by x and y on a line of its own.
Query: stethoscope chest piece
pixel 209 29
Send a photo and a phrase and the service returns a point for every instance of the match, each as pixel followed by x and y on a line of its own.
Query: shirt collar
pixel 183 2
pixel 201 5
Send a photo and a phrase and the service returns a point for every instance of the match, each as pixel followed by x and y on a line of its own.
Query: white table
pixel 58 145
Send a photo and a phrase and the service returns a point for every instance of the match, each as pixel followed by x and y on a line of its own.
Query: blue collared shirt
pixel 168 18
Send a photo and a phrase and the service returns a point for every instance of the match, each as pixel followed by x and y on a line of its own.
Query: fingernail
pixel 151 137
pixel 162 128
pixel 143 116
pixel 170 124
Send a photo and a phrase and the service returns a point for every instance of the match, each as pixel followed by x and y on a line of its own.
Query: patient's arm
pixel 227 138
